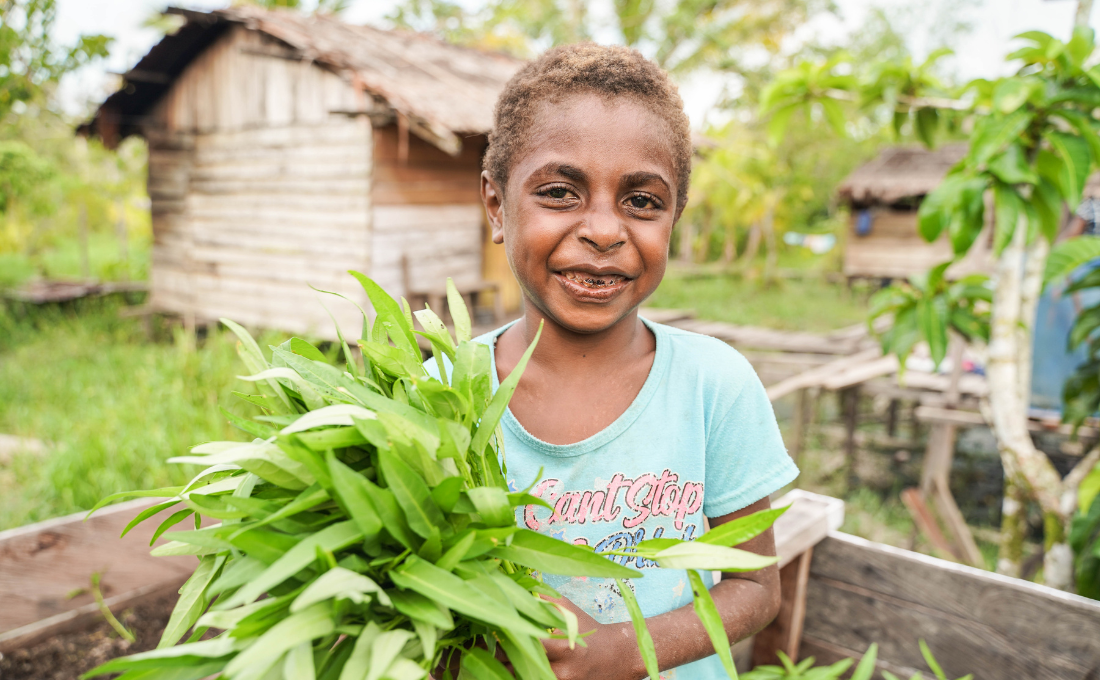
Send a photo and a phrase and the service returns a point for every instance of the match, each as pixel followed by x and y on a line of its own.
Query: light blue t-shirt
pixel 700 439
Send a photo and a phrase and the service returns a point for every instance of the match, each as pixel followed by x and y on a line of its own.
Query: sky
pixel 979 54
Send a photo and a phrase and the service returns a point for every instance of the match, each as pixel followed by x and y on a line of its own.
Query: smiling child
pixel 641 430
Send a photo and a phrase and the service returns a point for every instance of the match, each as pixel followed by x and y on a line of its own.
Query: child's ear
pixel 492 196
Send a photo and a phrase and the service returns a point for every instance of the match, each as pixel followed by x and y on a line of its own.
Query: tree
pixel 30 62
pixel 1033 144
pixel 682 36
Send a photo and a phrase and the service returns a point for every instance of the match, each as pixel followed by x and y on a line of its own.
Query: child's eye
pixel 642 202
pixel 557 192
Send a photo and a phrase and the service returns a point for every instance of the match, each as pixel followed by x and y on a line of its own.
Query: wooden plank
pixel 961 418
pixel 785 632
pixel 814 376
pixel 42 564
pixel 766 338
pixel 809 520
pixel 975 621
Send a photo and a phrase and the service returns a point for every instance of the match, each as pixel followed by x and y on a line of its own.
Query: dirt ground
pixel 65 657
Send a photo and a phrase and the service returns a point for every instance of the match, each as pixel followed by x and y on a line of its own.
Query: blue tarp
pixel 1051 361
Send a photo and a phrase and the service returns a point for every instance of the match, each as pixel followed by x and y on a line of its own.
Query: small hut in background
pixel 286 149
pixel 884 195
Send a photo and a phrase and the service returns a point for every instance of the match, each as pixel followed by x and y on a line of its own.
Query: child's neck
pixel 576 384
pixel 559 348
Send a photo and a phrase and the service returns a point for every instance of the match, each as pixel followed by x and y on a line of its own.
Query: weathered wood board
pixel 974 621
pixel 46 570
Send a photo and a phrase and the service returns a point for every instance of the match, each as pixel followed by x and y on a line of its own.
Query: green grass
pixel 810 304
pixel 63 260
pixel 111 405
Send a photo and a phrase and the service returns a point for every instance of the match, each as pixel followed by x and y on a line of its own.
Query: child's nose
pixel 602 229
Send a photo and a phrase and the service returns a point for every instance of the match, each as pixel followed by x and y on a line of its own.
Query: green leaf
pixel 1011 166
pixel 495 410
pixel 307 625
pixel 552 556
pixel 493 506
pixel 146 514
pixel 736 532
pixel 927 122
pixel 1077 161
pixel 835 115
pixel 412 494
pixel 1048 208
pixel 482 665
pixel 332 538
pixel 1088 489
pixel 390 313
pixel 355 496
pixel 166 492
pixel 1067 256
pixel 192 600
pixel 712 622
pixel 866 668
pixel 452 592
pixel 931 660
pixel 1084 126
pixel 932 314
pixel 459 314
pixel 1011 93
pixel 254 360
pixel 641 632
pixel 415 606
pixel 777 124
pixel 384 650
pixel 1080 46
pixel 190 654
pixel 299 663
pixel 1008 207
pixel 696 555
pixel 994 133
pixel 305 349
pixel 339 583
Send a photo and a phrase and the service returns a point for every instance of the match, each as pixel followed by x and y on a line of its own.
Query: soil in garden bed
pixel 66 656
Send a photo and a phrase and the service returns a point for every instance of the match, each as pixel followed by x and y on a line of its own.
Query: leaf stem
pixel 122 631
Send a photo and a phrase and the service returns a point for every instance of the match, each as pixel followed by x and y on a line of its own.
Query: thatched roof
pixel 899 173
pixel 444 90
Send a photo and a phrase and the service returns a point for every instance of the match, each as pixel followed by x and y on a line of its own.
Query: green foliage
pixel 368 531
pixel 928 307
pixel 682 36
pixel 1033 144
pixel 30 61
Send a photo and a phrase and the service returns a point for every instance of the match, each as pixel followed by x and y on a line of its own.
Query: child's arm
pixel 748 601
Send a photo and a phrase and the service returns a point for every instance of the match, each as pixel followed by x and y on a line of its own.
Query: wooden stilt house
pixel 286 149
pixel 883 196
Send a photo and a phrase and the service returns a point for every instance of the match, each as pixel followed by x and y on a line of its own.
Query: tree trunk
pixel 704 239
pixel 1013 530
pixel 729 246
pixel 122 234
pixel 1084 10
pixel 1028 472
pixel 753 246
pixel 769 241
pixel 687 241
pixel 85 260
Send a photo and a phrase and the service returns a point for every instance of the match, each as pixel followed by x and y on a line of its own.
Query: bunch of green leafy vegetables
pixel 367 531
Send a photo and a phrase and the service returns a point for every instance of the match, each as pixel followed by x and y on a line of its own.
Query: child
pixel 641 430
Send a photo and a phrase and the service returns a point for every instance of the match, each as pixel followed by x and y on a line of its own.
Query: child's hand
pixel 608 655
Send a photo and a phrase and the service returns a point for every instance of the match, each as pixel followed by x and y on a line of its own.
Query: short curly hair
pixel 608 71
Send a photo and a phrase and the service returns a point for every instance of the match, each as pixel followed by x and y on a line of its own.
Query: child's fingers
pixel 555 649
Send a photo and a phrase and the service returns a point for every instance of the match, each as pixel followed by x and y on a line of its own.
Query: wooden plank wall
pixel 974 621
pixel 427 206
pixel 895 249
pixel 259 190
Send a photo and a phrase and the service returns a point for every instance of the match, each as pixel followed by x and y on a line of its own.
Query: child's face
pixel 588 211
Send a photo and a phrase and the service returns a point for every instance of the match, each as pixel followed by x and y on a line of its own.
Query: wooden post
pixel 123 241
pixel 801 421
pixel 936 474
pixel 785 632
pixel 892 419
pixel 850 405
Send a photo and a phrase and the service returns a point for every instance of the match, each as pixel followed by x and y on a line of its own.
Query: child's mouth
pixel 592 281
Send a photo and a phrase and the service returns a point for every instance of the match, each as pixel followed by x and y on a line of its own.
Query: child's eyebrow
pixel 638 178
pixel 570 172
